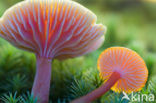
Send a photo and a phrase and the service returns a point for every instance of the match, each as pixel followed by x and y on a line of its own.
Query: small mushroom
pixel 51 29
pixel 123 71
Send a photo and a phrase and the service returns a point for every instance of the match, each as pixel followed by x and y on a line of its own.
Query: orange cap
pixel 131 67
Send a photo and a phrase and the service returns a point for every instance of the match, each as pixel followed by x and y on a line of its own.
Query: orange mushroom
pixel 51 29
pixel 122 69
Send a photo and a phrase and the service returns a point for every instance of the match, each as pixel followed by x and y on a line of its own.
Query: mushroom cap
pixel 52 28
pixel 131 67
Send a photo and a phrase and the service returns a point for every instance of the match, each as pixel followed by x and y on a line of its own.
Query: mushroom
pixel 51 29
pixel 123 71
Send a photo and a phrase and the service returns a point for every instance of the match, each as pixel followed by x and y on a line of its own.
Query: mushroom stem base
pixel 99 91
pixel 41 84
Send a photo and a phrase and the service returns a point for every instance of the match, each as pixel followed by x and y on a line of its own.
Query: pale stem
pixel 99 91
pixel 41 84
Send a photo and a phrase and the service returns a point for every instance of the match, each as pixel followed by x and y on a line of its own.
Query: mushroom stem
pixel 41 84
pixel 99 91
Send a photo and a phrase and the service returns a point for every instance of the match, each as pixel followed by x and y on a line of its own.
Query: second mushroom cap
pixel 131 67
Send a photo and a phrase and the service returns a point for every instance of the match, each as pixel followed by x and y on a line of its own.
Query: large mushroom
pixel 51 29
pixel 123 71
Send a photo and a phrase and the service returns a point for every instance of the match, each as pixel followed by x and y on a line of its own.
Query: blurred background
pixel 130 23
